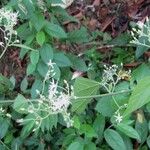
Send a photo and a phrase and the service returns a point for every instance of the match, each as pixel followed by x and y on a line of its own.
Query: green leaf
pixel 37 85
pixel 30 69
pixel 141 126
pixel 55 30
pixel 140 96
pixel 78 63
pixel 105 106
pixel 61 60
pixel 20 104
pixel 38 20
pixel 28 125
pixel 40 38
pixel 83 87
pixel 5 84
pixel 140 72
pixel 90 146
pixel 129 131
pixel 99 125
pixel 46 53
pixel 88 130
pixel 4 125
pixel 42 69
pixel 148 141
pixel 34 57
pixel 78 36
pixel 114 140
pixel 75 146
pixel 24 85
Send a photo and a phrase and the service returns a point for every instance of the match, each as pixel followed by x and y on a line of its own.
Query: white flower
pixel 118 117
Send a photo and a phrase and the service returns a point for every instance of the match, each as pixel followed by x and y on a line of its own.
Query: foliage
pixel 107 108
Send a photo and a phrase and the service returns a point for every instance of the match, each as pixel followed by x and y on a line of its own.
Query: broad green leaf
pixel 104 106
pixel 78 63
pixel 62 60
pixel 40 38
pixel 140 72
pixel 114 140
pixel 20 104
pixel 46 53
pixel 55 30
pixel 129 131
pixel 83 87
pixel 34 57
pixel 88 130
pixel 75 146
pixel 140 96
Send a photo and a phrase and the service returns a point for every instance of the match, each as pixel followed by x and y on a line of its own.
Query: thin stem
pixel 6 102
pixel 6 47
pixel 4 145
pixel 103 95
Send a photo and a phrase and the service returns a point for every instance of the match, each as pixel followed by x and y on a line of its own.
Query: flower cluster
pixel 8 20
pixel 57 101
pixel 143 33
pixel 112 75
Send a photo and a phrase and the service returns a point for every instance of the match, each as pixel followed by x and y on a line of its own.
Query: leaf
pixel 78 63
pixel 20 104
pixel 40 38
pixel 34 57
pixel 30 68
pixel 37 85
pixel 28 125
pixel 5 84
pixel 129 131
pixel 140 72
pixel 141 126
pixel 90 146
pixel 140 96
pixel 24 85
pixel 75 146
pixel 42 69
pixel 46 53
pixel 88 130
pixel 38 20
pixel 83 87
pixel 104 106
pixel 114 139
pixel 4 125
pixel 61 60
pixel 78 36
pixel 99 125
pixel 55 30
